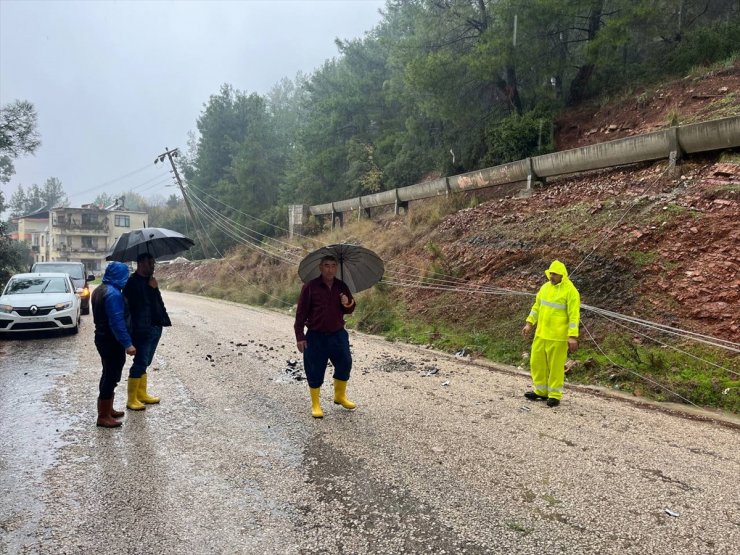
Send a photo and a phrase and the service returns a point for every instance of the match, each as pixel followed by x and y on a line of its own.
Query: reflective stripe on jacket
pixel 557 308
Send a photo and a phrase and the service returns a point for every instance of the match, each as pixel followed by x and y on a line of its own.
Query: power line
pixel 170 155
pixel 102 185
pixel 636 373
pixel 667 345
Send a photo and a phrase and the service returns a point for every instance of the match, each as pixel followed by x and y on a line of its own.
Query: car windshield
pixel 24 286
pixel 74 270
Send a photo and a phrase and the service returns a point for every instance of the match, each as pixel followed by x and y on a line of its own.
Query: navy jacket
pixel 145 303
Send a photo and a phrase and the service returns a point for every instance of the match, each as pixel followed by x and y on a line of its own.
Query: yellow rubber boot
pixel 142 395
pixel 133 402
pixel 316 411
pixel 340 395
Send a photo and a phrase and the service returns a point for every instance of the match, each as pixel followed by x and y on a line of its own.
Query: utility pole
pixel 174 153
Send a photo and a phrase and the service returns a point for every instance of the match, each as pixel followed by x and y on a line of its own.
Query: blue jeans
pixel 323 347
pixel 146 342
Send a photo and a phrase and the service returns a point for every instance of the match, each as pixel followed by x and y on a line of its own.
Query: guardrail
pixel 671 143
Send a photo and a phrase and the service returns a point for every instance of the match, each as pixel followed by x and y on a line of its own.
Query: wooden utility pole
pixel 174 153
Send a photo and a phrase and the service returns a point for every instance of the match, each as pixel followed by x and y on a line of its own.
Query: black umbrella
pixel 156 241
pixel 359 268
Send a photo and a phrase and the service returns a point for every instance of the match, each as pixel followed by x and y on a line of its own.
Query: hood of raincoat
pixel 116 274
pixel 557 267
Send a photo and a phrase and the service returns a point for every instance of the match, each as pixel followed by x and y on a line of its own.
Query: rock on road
pixel 232 462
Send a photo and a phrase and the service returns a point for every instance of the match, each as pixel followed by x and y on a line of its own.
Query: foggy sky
pixel 114 83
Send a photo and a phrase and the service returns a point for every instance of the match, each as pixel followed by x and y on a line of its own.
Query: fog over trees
pixel 439 88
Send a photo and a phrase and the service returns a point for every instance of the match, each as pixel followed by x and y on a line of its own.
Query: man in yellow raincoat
pixel 555 313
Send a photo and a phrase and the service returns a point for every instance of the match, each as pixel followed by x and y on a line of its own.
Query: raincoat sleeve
pixel 116 319
pixel 301 313
pixel 535 310
pixel 574 311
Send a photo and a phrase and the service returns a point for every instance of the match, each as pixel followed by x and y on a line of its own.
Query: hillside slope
pixel 701 96
pixel 639 240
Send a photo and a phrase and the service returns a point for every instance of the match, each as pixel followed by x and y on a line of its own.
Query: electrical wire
pixel 226 225
pixel 236 272
pixel 115 180
pixel 689 335
pixel 653 382
pixel 666 345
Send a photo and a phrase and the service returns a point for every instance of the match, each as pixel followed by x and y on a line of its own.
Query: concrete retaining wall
pixel 668 143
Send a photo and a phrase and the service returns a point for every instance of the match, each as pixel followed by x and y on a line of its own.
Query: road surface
pixel 442 456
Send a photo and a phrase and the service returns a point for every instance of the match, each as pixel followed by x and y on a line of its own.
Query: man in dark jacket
pixel 148 316
pixel 112 338
pixel 321 308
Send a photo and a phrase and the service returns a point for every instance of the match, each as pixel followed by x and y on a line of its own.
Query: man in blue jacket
pixel 112 338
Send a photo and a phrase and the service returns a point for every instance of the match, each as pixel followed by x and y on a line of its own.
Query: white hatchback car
pixel 41 301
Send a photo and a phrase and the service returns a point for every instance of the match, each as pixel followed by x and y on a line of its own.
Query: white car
pixel 40 301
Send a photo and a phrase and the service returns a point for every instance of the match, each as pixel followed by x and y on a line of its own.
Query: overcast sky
pixel 115 82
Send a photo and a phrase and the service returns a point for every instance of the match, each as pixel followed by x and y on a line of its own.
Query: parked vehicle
pixel 39 301
pixel 77 272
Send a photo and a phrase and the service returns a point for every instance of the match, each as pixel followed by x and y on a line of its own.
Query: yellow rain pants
pixel 547 367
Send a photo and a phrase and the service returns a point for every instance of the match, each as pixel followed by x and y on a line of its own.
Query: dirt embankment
pixel 694 98
pixel 640 239
pixel 637 241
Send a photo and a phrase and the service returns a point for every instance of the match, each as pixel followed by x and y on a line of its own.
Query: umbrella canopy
pixel 359 268
pixel 156 241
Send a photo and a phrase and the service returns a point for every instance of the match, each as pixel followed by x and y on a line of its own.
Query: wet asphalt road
pixel 232 462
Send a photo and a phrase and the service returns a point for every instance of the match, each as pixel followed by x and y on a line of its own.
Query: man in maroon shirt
pixel 321 308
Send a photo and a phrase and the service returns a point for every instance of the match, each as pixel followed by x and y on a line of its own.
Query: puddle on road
pixel 30 430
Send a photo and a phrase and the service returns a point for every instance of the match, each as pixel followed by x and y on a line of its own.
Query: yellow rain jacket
pixel 557 308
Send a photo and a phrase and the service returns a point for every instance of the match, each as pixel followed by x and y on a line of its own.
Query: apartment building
pixel 84 234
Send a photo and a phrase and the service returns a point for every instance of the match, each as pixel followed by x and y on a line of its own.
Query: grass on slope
pixel 483 326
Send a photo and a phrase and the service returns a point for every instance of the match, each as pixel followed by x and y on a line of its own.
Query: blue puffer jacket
pixel 109 306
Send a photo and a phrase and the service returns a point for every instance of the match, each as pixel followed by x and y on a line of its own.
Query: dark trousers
pixel 113 357
pixel 323 347
pixel 146 342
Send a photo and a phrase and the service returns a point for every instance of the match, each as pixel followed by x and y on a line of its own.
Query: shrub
pixel 518 137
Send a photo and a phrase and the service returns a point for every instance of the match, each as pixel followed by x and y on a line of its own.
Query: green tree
pixel 14 256
pixel 104 199
pixel 18 135
pixel 439 87
pixel 135 201
pixel 26 201
pixel 238 158
pixel 52 193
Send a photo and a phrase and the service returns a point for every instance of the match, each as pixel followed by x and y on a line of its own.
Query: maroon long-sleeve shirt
pixel 320 309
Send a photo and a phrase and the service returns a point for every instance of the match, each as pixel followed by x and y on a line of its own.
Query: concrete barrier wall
pixel 711 135
pixel 698 137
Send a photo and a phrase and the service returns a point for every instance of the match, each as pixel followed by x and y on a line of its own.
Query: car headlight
pixel 6 308
pixel 62 306
pixel 85 292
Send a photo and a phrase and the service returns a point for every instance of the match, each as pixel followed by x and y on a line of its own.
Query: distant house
pixel 84 234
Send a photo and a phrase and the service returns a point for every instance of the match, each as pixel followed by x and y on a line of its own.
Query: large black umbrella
pixel 359 268
pixel 156 241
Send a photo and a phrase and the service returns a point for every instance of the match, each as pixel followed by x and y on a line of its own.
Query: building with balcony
pixel 33 229
pixel 84 234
